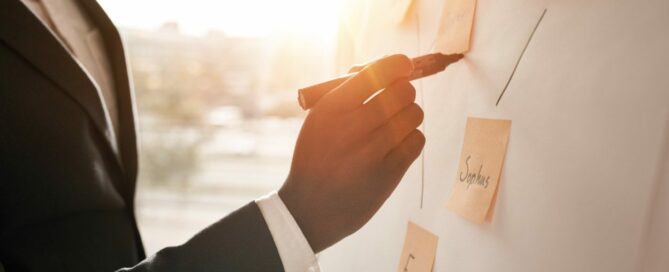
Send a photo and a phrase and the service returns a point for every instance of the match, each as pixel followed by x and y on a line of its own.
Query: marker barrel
pixel 423 66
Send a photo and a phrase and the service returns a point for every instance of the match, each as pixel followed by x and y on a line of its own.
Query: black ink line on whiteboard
pixel 521 57
pixel 422 103
pixel 409 258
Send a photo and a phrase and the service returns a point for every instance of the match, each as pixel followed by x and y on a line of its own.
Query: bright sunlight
pixel 233 17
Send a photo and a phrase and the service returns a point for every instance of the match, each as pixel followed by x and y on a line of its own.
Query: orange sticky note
pixel 455 27
pixel 483 152
pixel 420 249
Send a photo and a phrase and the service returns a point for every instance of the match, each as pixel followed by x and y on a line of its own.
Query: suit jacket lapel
pixel 126 111
pixel 26 34
pixel 124 94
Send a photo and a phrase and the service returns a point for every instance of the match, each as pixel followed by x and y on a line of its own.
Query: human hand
pixel 351 155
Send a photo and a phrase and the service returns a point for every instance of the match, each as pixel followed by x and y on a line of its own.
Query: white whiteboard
pixel 585 181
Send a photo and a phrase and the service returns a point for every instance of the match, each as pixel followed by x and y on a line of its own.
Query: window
pixel 216 85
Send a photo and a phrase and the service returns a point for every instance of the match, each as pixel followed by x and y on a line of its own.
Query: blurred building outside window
pixel 218 115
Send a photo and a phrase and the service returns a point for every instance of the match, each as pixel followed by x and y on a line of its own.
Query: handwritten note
pixel 420 248
pixel 455 27
pixel 483 151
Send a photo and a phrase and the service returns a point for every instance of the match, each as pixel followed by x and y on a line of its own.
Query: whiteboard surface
pixel 584 185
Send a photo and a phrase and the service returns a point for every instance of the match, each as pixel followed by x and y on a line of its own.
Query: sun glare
pixel 235 18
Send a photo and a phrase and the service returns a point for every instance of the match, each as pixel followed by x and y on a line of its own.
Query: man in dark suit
pixel 68 157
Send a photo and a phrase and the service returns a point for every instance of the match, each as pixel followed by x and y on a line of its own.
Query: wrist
pixel 307 218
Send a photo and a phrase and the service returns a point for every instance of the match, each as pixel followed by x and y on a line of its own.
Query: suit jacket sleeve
pixel 239 242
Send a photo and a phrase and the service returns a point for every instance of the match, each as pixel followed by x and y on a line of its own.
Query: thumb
pixel 376 76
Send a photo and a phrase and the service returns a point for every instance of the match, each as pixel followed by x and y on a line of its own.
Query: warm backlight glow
pixel 234 17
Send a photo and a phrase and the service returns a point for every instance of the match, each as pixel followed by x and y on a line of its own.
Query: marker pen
pixel 423 66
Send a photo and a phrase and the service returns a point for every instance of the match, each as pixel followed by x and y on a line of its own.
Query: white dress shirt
pixel 294 249
pixel 79 35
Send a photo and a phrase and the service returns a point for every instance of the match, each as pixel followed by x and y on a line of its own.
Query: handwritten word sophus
pixel 474 178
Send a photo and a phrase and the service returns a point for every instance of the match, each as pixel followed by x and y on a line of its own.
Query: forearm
pixel 239 242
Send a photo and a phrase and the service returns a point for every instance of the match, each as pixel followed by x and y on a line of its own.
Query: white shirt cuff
pixel 294 250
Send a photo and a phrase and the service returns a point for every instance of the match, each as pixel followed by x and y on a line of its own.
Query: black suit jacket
pixel 66 195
